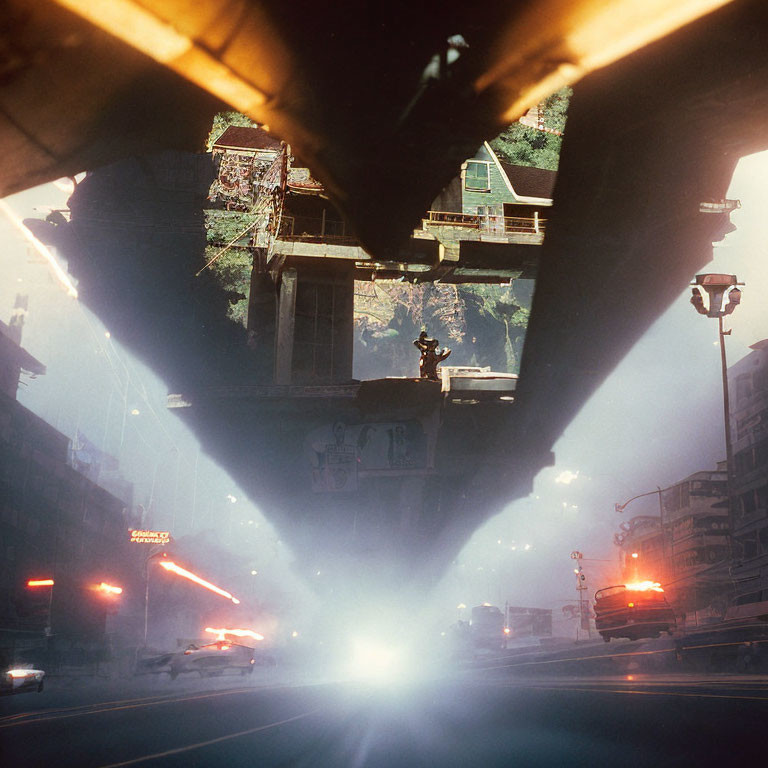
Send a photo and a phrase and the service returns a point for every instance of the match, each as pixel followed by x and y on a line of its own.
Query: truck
pixel 487 627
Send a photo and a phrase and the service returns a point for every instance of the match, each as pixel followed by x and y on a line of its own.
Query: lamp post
pixel 720 287
pixel 581 586
pixel 621 507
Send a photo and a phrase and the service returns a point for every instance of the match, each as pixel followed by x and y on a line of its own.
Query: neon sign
pixel 140 536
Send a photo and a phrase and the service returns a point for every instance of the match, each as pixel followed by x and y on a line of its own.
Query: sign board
pixel 140 536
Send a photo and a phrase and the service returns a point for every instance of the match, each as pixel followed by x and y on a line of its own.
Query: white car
pixel 21 681
pixel 213 659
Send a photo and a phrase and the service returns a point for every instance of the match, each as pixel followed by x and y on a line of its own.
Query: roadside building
pixel 55 524
pixel 748 381
pixel 643 547
pixel 686 547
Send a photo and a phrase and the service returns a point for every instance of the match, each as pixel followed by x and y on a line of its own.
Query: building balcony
pixel 466 226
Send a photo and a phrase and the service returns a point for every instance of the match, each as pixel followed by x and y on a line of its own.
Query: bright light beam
pixel 108 589
pixel 145 30
pixel 222 633
pixel 58 270
pixel 40 583
pixel 169 565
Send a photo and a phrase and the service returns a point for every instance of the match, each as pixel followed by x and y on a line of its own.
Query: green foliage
pixel 522 145
pixel 221 227
pixel 232 269
pixel 499 303
pixel 222 121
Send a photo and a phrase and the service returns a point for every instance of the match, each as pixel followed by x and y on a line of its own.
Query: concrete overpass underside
pixel 650 136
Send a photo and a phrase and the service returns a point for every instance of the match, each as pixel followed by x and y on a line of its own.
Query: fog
pixel 95 387
pixel 654 421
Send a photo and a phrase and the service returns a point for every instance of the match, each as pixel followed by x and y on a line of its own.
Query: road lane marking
pixel 96 709
pixel 55 710
pixel 563 661
pixel 208 743
pixel 643 693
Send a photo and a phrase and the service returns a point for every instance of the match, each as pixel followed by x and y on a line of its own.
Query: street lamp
pixel 634 555
pixel 719 288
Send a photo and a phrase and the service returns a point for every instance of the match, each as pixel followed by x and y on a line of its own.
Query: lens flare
pixel 169 565
pixel 108 589
pixel 221 634
pixel 644 586
pixel 376 662
pixel 42 249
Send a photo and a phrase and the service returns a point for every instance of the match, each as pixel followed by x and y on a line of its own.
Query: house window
pixel 744 386
pixel 477 176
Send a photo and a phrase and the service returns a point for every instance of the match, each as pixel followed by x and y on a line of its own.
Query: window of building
pixel 477 176
pixel 744 386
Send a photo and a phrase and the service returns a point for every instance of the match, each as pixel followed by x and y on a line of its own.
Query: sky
pixel 655 420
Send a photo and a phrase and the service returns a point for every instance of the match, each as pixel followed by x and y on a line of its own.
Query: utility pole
pixel 581 587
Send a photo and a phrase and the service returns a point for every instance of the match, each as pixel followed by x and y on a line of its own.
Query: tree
pixel 232 269
pixel 521 145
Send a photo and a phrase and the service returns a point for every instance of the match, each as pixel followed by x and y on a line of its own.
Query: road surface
pixel 464 721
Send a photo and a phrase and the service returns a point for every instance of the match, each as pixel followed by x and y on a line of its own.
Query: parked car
pixel 21 681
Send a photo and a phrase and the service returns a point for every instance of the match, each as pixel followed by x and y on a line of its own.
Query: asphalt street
pixel 469 720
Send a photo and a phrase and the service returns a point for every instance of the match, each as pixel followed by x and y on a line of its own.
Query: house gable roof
pixel 530 182
pixel 243 137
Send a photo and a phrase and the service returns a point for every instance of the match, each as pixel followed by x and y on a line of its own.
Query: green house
pixel 496 196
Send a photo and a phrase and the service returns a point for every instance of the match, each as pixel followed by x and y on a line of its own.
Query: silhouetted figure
pixel 430 357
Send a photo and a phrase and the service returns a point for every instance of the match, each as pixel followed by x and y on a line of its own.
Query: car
pixel 21 680
pixel 213 659
pixel 634 611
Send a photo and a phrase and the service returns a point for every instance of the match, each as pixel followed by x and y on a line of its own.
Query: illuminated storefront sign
pixel 150 537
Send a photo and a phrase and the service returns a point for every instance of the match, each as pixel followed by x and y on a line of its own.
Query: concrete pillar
pixel 286 311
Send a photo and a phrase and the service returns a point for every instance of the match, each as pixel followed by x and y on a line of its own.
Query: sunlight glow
pixel 596 34
pixel 566 477
pixel 43 250
pixel 373 661
pixel 144 30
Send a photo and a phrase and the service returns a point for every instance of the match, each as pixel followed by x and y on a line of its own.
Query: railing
pixel 493 224
pixel 315 230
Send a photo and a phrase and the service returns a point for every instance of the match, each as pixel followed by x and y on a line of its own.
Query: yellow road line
pixel 217 740
pixel 97 709
pixel 39 712
pixel 645 693
pixel 575 658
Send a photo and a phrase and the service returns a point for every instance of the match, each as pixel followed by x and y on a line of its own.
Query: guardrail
pixel 493 224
